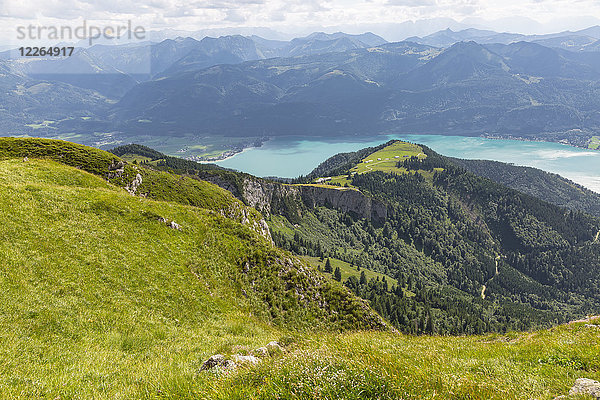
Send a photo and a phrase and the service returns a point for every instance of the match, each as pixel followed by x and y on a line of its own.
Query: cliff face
pixel 290 200
pixel 345 200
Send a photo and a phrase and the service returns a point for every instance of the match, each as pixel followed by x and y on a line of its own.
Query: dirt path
pixel 372 164
pixel 597 236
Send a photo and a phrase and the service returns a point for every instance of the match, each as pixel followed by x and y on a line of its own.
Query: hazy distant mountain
pixel 449 37
pixel 145 60
pixel 570 42
pixel 82 69
pixel 462 61
pixel 237 49
pixel 320 43
pixel 367 39
pixel 326 84
pixel 39 104
pixel 521 89
pixel 536 60
pixel 114 69
pixel 582 40
pixel 214 51
pixel 593 31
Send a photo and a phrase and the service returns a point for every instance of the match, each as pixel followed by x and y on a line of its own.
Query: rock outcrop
pixel 290 200
pixel 220 361
pixel 133 186
pixel 587 387
pixel 115 169
pixel 345 200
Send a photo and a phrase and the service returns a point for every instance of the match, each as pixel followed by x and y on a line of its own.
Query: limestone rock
pixel 170 224
pixel 261 352
pixel 214 361
pixel 133 186
pixel 586 386
pixel 239 359
pixel 274 347
pixel 272 197
pixel 116 169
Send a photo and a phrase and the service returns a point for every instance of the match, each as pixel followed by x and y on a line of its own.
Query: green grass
pixel 100 299
pixel 347 270
pixel 364 365
pixel 594 143
pixel 135 157
pixel 385 159
pixel 39 125
pixel 92 160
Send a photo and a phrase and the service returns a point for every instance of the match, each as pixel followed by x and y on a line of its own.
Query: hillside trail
pixel 484 287
pixel 597 237
pixel 370 166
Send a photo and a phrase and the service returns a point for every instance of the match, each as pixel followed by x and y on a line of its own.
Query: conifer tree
pixel 337 275
pixel 363 278
pixel 328 268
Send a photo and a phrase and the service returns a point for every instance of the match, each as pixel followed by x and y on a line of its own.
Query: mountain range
pixel 462 83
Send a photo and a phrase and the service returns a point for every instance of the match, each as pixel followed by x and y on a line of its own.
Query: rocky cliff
pixel 290 200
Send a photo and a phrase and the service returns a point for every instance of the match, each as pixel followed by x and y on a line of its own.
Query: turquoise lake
pixel 291 157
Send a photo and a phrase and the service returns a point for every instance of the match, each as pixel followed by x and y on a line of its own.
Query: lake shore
pixel 291 157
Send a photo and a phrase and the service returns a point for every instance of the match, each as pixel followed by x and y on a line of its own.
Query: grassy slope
pixel 385 160
pixel 157 185
pixel 538 365
pixel 101 299
pixel 594 143
pixel 347 270
pixel 388 155
pixel 98 297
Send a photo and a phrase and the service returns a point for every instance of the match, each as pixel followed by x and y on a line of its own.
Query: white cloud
pixel 290 14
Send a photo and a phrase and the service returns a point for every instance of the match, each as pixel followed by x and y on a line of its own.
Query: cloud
pixel 412 3
pixel 235 16
pixel 286 14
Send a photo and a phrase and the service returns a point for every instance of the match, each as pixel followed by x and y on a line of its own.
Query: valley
pixel 323 200
pixel 121 278
pixel 212 96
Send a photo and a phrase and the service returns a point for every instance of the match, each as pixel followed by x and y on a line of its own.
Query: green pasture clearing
pixel 348 270
pixel 387 158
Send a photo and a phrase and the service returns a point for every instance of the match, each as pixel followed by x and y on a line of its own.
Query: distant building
pixel 321 180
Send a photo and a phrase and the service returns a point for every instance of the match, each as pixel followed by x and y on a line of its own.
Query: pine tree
pixel 429 327
pixel 328 268
pixel 337 275
pixel 363 278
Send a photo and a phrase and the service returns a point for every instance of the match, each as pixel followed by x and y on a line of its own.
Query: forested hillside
pixel 541 184
pixel 470 255
pixel 120 280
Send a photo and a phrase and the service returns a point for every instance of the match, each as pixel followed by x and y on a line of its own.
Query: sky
pixel 302 16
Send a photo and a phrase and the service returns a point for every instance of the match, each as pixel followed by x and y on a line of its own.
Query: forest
pixel 470 255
